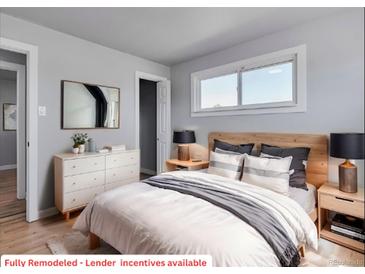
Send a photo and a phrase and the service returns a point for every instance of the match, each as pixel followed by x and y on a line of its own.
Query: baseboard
pixel 6 167
pixel 47 212
pixel 147 171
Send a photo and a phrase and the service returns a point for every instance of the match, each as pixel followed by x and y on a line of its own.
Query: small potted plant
pixel 79 142
pixel 75 148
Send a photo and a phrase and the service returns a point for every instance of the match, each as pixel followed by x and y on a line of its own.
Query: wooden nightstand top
pixel 332 189
pixel 187 163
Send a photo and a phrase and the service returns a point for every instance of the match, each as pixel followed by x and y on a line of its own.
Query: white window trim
pixel 299 103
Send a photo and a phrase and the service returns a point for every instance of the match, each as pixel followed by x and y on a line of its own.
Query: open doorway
pixel 148 127
pixel 29 72
pixel 12 134
pixel 158 130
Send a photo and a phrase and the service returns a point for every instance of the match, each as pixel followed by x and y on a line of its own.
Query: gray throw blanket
pixel 245 209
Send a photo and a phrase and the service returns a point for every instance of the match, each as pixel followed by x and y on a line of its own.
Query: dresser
pixel 80 177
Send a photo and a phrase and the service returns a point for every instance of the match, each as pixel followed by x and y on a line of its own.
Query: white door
pixel 163 124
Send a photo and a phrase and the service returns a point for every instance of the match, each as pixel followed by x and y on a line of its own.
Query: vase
pixel 91 146
pixel 75 150
pixel 82 148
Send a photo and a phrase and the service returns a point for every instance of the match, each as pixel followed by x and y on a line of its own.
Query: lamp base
pixel 347 174
pixel 183 153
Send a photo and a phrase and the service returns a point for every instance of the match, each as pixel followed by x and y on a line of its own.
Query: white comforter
pixel 141 219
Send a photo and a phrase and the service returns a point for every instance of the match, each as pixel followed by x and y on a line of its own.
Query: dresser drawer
pixel 85 165
pixel 80 198
pixel 82 181
pixel 342 205
pixel 121 173
pixel 122 159
pixel 120 183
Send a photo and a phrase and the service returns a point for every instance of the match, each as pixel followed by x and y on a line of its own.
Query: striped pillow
pixel 263 155
pixel 268 173
pixel 226 165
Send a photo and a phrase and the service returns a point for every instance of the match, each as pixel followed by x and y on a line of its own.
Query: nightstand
pixel 174 164
pixel 330 198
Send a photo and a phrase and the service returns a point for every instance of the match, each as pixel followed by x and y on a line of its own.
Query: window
pixel 219 91
pixel 271 83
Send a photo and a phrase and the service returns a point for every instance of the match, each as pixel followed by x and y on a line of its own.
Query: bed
pixel 141 218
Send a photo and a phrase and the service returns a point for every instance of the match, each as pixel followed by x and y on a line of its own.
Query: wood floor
pixel 9 204
pixel 19 237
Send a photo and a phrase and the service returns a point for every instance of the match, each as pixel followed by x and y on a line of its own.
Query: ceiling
pixel 169 35
pixel 7 75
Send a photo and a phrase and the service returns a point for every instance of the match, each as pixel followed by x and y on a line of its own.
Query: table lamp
pixel 183 138
pixel 347 146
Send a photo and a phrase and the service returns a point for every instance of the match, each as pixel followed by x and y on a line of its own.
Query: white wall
pixel 335 82
pixel 64 57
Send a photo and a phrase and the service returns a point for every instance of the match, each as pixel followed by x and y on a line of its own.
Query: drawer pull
pixel 95 164
pixel 344 199
pixel 94 179
pixel 73 200
pixel 73 183
pixel 73 166
pixel 113 174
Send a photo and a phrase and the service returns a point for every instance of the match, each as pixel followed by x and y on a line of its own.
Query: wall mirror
pixel 86 105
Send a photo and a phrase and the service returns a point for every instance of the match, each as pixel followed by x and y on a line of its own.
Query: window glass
pixel 270 84
pixel 219 91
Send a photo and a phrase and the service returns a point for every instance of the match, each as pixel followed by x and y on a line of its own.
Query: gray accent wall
pixel 335 83
pixel 147 124
pixel 7 138
pixel 65 57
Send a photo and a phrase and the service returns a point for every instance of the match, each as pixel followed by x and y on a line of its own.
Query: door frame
pixel 31 51
pixel 151 77
pixel 20 87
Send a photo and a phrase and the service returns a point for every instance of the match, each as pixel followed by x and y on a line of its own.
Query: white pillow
pixel 226 165
pixel 264 155
pixel 268 173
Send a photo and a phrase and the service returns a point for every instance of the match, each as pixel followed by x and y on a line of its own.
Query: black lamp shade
pixel 347 145
pixel 184 137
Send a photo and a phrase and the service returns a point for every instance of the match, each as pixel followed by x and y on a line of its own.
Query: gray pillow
pixel 222 151
pixel 299 154
pixel 242 148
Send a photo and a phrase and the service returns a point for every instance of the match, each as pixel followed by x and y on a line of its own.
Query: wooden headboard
pixel 317 165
